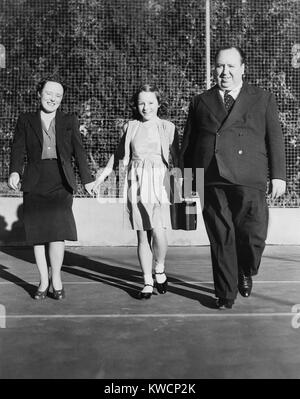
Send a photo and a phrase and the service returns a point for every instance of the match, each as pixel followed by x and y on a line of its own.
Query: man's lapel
pixel 213 101
pixel 243 102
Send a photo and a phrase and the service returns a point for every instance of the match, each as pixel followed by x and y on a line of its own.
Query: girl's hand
pixel 89 187
pixel 96 186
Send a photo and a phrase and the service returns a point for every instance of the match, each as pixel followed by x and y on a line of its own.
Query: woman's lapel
pixel 36 124
pixel 60 127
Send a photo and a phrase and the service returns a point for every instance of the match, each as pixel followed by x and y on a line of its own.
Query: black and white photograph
pixel 150 192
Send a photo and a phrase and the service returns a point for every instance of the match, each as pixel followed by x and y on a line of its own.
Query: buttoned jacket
pixel 247 144
pixel 28 142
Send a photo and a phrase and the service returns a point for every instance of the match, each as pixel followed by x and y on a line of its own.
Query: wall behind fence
pixel 104 49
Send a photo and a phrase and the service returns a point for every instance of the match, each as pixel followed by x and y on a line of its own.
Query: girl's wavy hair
pixel 163 104
pixel 50 78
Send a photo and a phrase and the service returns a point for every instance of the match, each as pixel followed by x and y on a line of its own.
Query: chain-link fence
pixel 105 48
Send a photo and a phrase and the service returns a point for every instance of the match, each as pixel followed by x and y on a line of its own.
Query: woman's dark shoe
pixel 59 294
pixel 146 295
pixel 39 295
pixel 162 288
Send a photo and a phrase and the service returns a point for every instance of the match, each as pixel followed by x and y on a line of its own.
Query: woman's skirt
pixel 48 215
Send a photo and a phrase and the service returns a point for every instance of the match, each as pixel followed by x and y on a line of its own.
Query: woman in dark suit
pixel 49 139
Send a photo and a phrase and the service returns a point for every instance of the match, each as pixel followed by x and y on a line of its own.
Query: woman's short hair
pixel 163 105
pixel 50 78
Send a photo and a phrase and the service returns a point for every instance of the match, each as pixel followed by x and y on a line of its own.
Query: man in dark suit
pixel 233 133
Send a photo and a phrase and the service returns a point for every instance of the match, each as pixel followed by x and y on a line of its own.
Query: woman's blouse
pixel 49 141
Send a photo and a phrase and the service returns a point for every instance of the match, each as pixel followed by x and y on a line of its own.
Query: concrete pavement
pixel 101 330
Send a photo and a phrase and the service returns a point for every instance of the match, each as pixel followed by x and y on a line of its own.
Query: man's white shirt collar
pixel 234 93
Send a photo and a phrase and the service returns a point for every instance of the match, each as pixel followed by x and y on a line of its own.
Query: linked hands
pixel 96 185
pixel 102 174
pixel 277 188
pixel 93 188
pixel 89 187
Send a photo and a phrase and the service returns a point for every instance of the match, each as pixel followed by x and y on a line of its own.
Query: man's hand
pixel 277 188
pixel 89 187
pixel 14 180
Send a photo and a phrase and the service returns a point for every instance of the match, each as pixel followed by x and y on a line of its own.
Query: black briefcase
pixel 184 215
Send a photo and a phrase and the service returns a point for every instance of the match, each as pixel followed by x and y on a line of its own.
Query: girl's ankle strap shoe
pixel 146 295
pixel 162 288
pixel 59 294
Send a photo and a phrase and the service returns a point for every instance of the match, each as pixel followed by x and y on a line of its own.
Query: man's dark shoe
pixel 223 303
pixel 244 284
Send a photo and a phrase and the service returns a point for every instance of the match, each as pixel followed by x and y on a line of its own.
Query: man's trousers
pixel 236 220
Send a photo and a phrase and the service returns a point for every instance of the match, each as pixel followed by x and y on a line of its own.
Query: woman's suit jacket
pixel 28 140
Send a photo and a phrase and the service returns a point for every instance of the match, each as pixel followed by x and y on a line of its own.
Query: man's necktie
pixel 228 101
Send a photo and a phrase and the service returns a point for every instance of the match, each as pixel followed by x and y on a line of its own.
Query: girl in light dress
pixel 145 148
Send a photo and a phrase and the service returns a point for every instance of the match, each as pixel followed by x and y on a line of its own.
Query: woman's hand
pixel 14 180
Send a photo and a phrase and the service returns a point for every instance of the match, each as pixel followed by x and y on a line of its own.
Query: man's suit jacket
pixel 247 144
pixel 28 140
